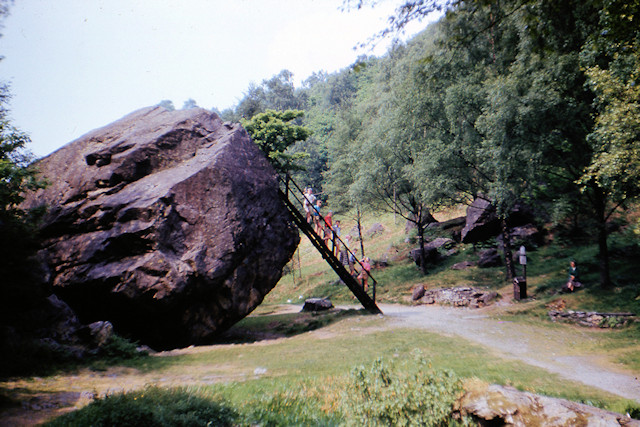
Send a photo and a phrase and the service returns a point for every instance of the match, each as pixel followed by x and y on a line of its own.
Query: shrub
pixel 379 396
pixel 118 348
pixel 152 406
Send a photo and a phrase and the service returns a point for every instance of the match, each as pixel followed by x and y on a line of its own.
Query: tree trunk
pixel 423 264
pixel 508 256
pixel 359 223
pixel 603 248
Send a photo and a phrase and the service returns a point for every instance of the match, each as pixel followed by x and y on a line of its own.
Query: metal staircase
pixel 292 196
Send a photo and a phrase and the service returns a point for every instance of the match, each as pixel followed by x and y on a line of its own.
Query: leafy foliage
pixel 381 396
pixel 274 132
pixel 21 279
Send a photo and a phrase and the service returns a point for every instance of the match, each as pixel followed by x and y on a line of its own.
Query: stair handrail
pixel 288 191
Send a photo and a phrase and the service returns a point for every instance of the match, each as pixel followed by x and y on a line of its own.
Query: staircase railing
pixel 292 195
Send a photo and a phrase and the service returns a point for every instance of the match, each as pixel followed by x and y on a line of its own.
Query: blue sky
pixel 75 65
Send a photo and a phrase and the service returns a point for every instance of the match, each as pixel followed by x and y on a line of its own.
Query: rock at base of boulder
pixel 97 333
pixel 317 304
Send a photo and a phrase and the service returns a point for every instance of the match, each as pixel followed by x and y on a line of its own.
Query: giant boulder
pixel 167 224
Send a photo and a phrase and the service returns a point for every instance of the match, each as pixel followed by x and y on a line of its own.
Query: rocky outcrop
pixel 593 319
pixel 457 297
pixel 317 304
pixel 489 258
pixel 482 222
pixel 167 224
pixel 431 250
pixel 506 406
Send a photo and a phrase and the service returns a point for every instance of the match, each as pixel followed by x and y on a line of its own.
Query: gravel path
pixel 547 348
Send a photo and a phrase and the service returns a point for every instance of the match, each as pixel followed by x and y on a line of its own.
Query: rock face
pixel 431 253
pixel 457 297
pixel 482 222
pixel 506 406
pixel 167 224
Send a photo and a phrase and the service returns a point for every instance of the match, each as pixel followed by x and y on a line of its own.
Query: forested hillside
pixel 526 101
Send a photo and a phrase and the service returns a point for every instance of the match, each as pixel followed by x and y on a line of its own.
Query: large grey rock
pixel 506 406
pixel 317 304
pixel 167 224
pixel 482 222
pixel 489 258
pixel 431 253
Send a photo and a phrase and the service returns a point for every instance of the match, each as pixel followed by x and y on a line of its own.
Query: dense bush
pixel 380 396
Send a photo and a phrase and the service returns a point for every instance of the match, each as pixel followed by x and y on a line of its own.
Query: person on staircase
pixel 336 238
pixel 328 228
pixel 315 213
pixel 308 203
pixel 364 274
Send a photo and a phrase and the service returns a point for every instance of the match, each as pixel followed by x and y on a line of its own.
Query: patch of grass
pixel 285 325
pixel 153 406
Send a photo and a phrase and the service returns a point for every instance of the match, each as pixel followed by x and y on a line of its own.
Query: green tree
pixel 277 93
pixel 614 73
pixel 189 104
pixel 167 104
pixel 275 132
pixel 18 227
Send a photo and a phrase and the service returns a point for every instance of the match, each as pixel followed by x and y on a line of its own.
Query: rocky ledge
pixel 593 319
pixel 458 297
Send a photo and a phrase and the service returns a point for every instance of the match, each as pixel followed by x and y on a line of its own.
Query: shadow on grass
pixel 273 326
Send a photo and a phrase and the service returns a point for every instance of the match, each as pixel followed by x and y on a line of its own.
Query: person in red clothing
pixel 364 274
pixel 328 228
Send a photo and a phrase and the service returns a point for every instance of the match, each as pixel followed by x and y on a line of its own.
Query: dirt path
pixel 558 351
